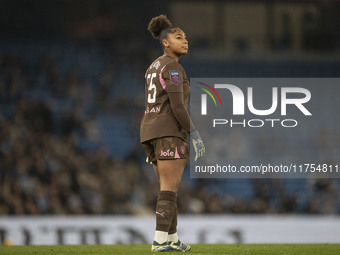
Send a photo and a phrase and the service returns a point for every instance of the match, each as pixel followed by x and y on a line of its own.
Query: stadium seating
pixel 46 68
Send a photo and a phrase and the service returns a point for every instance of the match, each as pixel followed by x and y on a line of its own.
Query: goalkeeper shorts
pixel 166 148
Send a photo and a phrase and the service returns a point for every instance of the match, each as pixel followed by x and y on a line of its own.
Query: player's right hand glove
pixel 198 145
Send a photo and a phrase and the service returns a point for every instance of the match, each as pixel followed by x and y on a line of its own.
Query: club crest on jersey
pixel 175 77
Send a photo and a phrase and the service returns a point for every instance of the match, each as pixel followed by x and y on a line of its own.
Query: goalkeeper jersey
pixel 163 76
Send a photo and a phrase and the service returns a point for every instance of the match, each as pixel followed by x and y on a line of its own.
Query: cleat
pixel 156 247
pixel 179 246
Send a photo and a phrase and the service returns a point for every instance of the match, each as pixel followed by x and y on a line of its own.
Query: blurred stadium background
pixel 72 95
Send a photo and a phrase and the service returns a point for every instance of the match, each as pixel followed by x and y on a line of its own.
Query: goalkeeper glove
pixel 198 144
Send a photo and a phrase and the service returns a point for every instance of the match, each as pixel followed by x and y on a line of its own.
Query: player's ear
pixel 165 43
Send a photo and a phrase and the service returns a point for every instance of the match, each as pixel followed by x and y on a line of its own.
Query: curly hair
pixel 160 26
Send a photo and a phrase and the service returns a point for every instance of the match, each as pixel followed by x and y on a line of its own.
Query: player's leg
pixel 170 154
pixel 155 168
pixel 170 174
pixel 172 234
pixel 149 146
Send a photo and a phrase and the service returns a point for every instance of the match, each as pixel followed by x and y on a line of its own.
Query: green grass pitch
pixel 212 249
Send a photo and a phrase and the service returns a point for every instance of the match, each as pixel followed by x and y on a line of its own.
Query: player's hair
pixel 160 26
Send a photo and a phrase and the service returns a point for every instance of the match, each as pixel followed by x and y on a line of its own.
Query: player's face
pixel 177 42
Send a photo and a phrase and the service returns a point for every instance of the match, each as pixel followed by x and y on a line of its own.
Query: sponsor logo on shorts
pixel 183 149
pixel 167 153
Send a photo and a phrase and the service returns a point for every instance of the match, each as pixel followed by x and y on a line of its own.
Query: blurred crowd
pixel 44 170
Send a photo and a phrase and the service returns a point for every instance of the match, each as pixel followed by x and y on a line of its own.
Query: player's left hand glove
pixel 198 145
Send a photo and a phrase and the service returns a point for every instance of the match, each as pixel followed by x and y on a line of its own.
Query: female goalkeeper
pixel 165 127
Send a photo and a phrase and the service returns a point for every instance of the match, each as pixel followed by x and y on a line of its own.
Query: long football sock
pixel 165 209
pixel 173 236
pixel 161 236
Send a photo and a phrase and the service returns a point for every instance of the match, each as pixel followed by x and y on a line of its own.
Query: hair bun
pixel 158 24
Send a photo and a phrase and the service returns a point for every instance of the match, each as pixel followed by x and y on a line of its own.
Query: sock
pixel 161 237
pixel 173 237
pixel 165 209
pixel 173 227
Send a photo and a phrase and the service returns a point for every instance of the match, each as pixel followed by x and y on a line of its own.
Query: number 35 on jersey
pixel 151 89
